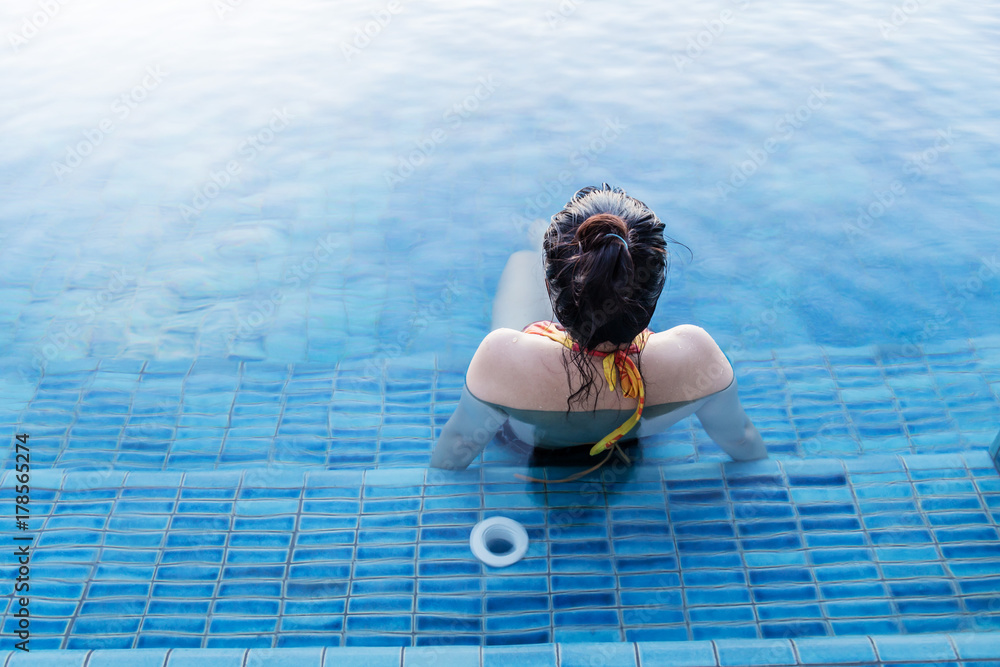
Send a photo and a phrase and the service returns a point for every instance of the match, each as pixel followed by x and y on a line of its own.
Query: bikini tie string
pixel 618 370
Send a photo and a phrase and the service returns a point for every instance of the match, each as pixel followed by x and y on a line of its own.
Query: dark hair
pixel 606 264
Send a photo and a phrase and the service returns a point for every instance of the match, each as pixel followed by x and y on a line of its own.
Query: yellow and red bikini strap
pixel 632 387
pixel 616 365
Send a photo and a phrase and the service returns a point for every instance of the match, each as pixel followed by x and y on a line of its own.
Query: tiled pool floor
pixel 183 415
pixel 248 505
pixel 280 558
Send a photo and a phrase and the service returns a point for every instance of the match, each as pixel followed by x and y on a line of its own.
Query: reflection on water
pixel 299 181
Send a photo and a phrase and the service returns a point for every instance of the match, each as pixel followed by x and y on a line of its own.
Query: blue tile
pixel 518 656
pixel 841 539
pixel 379 623
pixel 771 559
pixel 698 578
pixel 717 596
pixel 137 657
pixel 793 629
pixel 585 653
pixel 194 657
pixel 932 624
pixel 105 625
pixel 977 646
pixel 185 590
pixel 516 603
pixel 45 658
pixel 180 624
pixel 327 624
pixel 178 607
pixel 460 656
pixel 247 607
pixel 657 634
pixel 449 626
pixel 588 618
pixel 958 552
pixel 534 637
pixel 676 654
pixel 914 648
pixel 363 657
pixel 932 461
pixel 927 587
pixel 728 614
pixel 117 642
pixel 523 621
pixel 780 575
pixel 456 640
pixel 242 625
pixel 755 652
pixel 967 534
pixel 856 608
pixel 121 606
pixel 789 611
pixel 715 631
pixel 785 593
pixel 583 600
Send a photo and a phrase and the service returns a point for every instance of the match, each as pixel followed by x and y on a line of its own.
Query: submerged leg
pixel 521 295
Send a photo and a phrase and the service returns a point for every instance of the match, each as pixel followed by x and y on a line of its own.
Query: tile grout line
pixel 876 562
pixel 948 576
pixel 677 553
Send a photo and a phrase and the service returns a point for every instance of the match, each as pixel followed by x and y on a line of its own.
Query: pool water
pixel 250 250
pixel 242 200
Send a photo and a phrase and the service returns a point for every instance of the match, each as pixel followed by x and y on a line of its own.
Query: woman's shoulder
pixel 507 366
pixel 518 369
pixel 685 363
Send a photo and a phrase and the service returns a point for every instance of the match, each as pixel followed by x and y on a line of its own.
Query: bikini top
pixel 618 370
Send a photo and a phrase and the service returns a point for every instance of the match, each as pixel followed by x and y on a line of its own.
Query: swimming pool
pixel 251 249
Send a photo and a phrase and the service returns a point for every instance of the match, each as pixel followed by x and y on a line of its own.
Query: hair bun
pixel 595 228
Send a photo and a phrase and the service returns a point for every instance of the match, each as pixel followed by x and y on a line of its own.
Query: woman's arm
pixel 467 433
pixel 727 424
pixel 707 373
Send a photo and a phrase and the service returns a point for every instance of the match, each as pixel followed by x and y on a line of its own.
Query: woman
pixel 605 262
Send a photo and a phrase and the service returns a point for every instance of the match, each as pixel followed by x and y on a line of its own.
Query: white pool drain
pixel 499 541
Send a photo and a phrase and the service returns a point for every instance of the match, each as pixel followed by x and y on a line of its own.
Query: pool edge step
pixel 797 652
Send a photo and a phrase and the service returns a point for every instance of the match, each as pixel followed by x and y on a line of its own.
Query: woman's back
pixel 521 371
pixel 598 375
